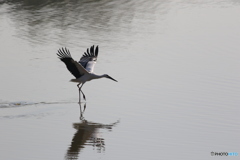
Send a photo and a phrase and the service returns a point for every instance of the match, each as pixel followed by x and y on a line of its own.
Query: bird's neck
pixel 95 76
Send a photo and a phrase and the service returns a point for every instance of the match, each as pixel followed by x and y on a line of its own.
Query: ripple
pixel 25 103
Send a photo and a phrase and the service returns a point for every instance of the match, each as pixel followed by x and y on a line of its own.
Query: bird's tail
pixel 74 80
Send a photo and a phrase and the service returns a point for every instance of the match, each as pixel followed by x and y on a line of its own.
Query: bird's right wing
pixel 89 59
pixel 73 66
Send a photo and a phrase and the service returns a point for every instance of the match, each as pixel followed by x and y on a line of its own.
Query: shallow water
pixel 177 63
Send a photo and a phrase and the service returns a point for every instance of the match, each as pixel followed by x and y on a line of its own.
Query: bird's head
pixel 107 76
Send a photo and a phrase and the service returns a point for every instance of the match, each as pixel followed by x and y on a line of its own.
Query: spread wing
pixel 74 67
pixel 89 59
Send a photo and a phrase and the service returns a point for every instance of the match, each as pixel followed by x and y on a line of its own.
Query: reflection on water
pixel 88 134
pixel 66 22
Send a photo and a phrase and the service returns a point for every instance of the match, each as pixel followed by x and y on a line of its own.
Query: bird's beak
pixel 112 78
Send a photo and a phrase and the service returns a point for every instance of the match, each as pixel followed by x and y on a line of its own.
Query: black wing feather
pixel 91 50
pixel 65 56
pixel 89 56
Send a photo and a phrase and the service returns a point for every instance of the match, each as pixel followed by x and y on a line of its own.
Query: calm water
pixel 177 63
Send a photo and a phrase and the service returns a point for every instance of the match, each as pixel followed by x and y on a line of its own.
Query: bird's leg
pixel 82 92
pixel 83 95
pixel 79 92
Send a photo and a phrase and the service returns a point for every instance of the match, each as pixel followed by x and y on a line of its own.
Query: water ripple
pixel 25 103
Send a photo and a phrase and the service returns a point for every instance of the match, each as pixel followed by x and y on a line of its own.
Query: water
pixel 177 63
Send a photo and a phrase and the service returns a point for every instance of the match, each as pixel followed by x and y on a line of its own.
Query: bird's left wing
pixel 73 66
pixel 89 59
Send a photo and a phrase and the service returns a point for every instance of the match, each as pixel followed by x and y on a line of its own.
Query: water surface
pixel 177 63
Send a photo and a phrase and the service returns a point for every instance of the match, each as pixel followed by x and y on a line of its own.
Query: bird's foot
pixel 84 97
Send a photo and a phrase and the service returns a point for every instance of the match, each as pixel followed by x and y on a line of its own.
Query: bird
pixel 83 69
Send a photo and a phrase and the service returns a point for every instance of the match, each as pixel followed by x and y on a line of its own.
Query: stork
pixel 82 70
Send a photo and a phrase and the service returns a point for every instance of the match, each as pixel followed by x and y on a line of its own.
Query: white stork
pixel 82 70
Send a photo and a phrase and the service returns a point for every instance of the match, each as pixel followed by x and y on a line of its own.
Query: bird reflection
pixel 87 134
pixel 82 111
